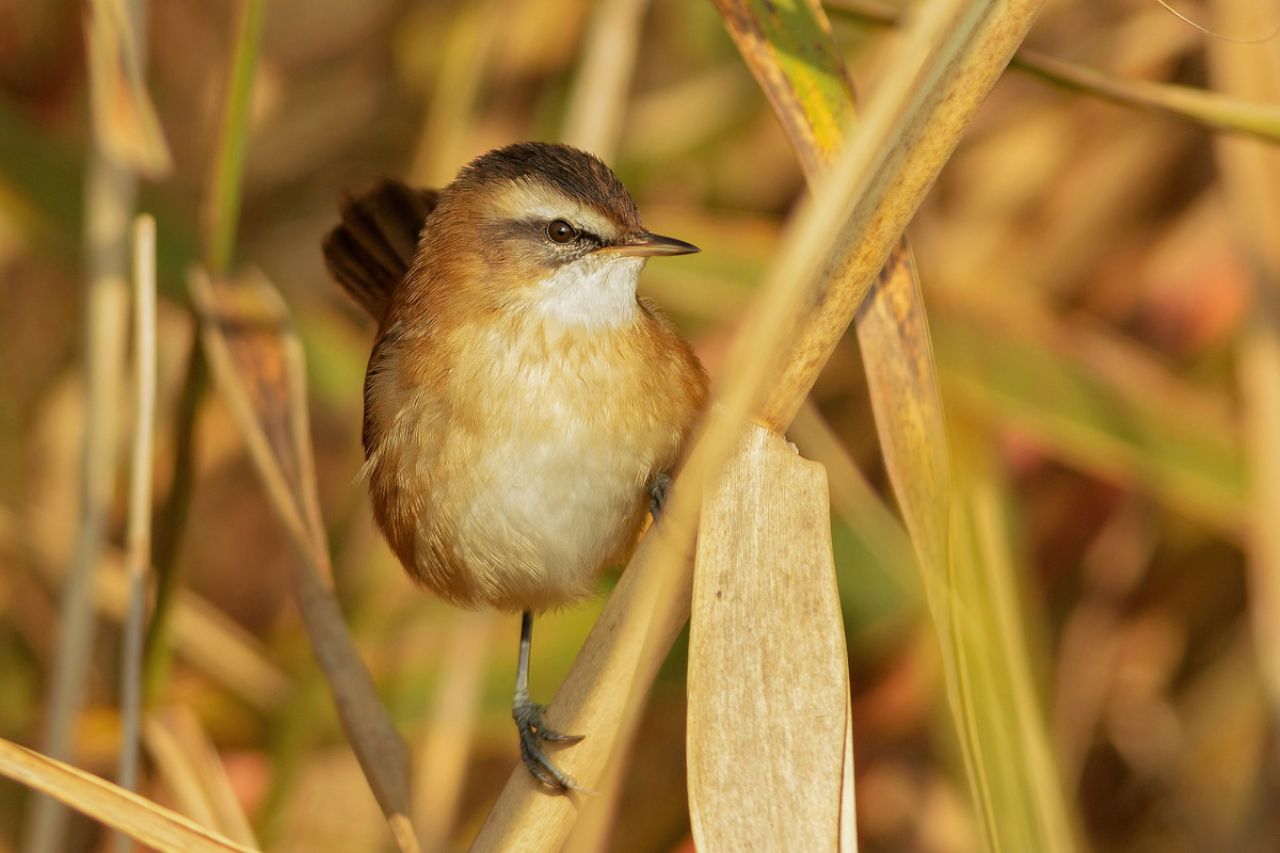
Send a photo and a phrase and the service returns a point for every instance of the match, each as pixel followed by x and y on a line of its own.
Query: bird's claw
pixel 533 733
pixel 658 494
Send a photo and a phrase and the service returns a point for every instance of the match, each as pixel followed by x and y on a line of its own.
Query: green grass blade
pixel 222 211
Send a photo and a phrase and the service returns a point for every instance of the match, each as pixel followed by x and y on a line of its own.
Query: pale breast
pixel 551 444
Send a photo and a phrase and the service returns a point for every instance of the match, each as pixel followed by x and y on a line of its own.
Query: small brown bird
pixel 522 406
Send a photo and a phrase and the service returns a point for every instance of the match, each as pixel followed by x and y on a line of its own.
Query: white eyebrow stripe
pixel 534 200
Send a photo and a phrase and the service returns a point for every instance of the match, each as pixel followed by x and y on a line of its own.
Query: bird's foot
pixel 658 494
pixel 533 734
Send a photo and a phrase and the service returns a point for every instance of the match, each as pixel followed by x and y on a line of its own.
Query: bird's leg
pixel 658 494
pixel 528 717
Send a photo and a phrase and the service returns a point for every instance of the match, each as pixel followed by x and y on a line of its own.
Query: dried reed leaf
pixel 903 382
pixel 768 677
pixel 245 328
pixel 789 48
pixel 1251 173
pixel 1054 382
pixel 99 799
pixel 891 180
pixel 835 246
pixel 258 365
pixel 124 118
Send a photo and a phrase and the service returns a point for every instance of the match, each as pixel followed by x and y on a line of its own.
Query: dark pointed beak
pixel 645 245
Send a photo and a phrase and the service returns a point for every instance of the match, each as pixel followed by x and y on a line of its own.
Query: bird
pixel 523 407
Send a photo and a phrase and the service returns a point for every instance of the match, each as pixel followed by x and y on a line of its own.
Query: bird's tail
pixel 370 251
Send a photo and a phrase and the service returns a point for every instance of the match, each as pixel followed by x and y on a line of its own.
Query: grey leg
pixel 528 717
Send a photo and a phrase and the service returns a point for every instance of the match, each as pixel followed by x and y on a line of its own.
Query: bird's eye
pixel 561 232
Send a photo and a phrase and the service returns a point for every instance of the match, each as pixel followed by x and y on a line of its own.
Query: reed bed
pixel 1014 587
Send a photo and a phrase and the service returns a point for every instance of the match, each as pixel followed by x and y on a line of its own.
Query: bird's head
pixel 555 231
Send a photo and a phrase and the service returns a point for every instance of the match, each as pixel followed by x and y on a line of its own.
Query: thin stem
pixel 110 192
pixel 139 531
pixel 171 522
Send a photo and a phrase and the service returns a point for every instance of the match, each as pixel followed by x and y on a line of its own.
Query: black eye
pixel 561 232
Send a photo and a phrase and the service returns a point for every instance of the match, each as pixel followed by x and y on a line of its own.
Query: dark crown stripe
pixel 575 173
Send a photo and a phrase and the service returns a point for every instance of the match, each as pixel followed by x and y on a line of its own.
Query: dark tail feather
pixel 371 250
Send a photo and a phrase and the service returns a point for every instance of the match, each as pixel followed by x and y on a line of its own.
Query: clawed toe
pixel 530 716
pixel 540 767
pixel 533 734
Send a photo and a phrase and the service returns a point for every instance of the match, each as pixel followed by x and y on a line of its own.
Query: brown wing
pixel 370 251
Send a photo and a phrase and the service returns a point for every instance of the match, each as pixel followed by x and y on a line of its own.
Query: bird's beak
pixel 646 245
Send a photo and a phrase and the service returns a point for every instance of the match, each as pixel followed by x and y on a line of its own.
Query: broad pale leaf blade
pixel 768 686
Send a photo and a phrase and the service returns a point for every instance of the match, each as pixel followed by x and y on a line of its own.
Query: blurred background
pixel 1091 290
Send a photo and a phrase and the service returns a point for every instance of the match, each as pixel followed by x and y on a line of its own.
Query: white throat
pixel 595 292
